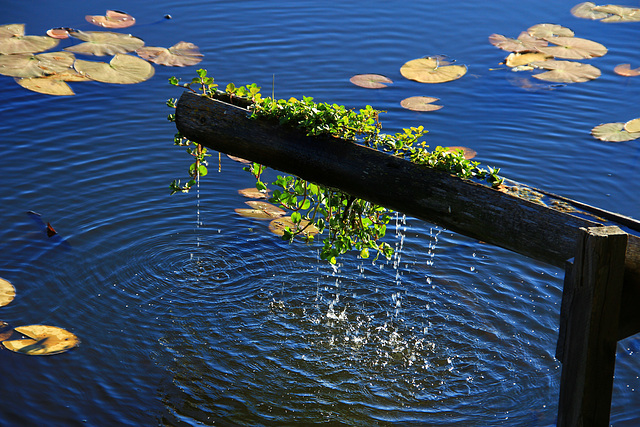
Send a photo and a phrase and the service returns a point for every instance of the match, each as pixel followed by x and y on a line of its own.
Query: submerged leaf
pixel 13 40
pixel 104 43
pixel 112 19
pixel 278 226
pixel 43 340
pixel 420 103
pixel 546 31
pixel 613 132
pixel 625 70
pixel 7 292
pixel 632 126
pixel 574 48
pixel 429 70
pixel 181 54
pixel 524 43
pixel 370 81
pixel 566 71
pixel 122 69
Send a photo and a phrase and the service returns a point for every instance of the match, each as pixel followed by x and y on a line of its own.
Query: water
pixel 191 315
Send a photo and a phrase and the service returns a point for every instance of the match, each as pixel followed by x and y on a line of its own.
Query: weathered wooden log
pixel 463 206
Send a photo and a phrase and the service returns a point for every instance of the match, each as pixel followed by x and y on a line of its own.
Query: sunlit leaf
pixel 574 48
pixel 7 292
pixel 181 54
pixel 112 19
pixel 46 85
pixel 261 210
pixel 42 340
pixel 566 71
pixel 632 126
pixel 122 69
pixel 613 132
pixel 545 31
pixel 467 152
pixel 524 43
pixel 13 40
pixel 586 10
pixel 619 13
pixel 104 43
pixel 278 226
pixel 5 330
pixel 59 33
pixel 420 103
pixel 516 59
pixel 253 193
pixel 429 70
pixel 370 81
pixel 29 65
pixel 239 160
pixel 625 70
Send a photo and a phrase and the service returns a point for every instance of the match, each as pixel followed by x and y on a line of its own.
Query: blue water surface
pixel 191 315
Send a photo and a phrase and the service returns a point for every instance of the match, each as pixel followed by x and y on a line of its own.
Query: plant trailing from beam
pixel 351 223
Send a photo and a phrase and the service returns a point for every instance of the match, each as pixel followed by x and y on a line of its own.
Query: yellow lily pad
pixel 632 125
pixel 517 59
pixel 13 40
pixel 613 132
pixel 429 70
pixel 5 330
pixel 420 103
pixel 42 340
pixel 7 292
pixel 122 69
pixel 277 226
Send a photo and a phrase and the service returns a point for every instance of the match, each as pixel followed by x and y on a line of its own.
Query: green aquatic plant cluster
pixel 349 222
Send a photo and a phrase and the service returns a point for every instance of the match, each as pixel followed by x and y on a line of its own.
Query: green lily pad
pixel 104 43
pixel 42 340
pixel 613 132
pixel 371 81
pixel 574 48
pixel 7 292
pixel 586 10
pixel 29 65
pixel 546 31
pixel 278 226
pixel 261 210
pixel 112 19
pixel 626 70
pixel 420 103
pixel 13 40
pixel 566 71
pixel 181 54
pixel 632 126
pixel 524 43
pixel 122 69
pixel 429 70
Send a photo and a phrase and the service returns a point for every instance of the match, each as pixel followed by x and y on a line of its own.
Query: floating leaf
pixel 517 59
pixel 370 81
pixel 566 71
pixel 13 40
pixel 104 43
pixel 467 152
pixel 278 226
pixel 625 70
pixel 7 292
pixel 112 19
pixel 239 160
pixel 632 126
pixel 420 103
pixel 43 340
pixel 613 132
pixel 574 48
pixel 618 13
pixel 586 10
pixel 28 65
pixel 59 33
pixel 5 330
pixel 46 85
pixel 429 70
pixel 181 54
pixel 261 210
pixel 546 31
pixel 524 43
pixel 122 69
pixel 253 193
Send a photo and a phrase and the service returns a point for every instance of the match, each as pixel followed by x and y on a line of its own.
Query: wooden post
pixel 588 327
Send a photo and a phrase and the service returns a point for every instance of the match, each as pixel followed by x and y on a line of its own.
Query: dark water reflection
pixel 191 315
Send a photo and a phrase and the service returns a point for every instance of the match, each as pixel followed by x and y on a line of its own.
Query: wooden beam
pixel 589 324
pixel 463 206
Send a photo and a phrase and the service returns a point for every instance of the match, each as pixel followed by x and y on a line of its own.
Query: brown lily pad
pixel 574 48
pixel 42 340
pixel 261 210
pixel 613 132
pixel 112 19
pixel 122 69
pixel 181 54
pixel 566 71
pixel 420 103
pixel 618 13
pixel 253 193
pixel 104 43
pixel 524 43
pixel 467 152
pixel 29 65
pixel 586 10
pixel 370 81
pixel 60 33
pixel 54 84
pixel 429 70
pixel 278 226
pixel 13 40
pixel 625 70
pixel 546 31
pixel 5 331
pixel 7 292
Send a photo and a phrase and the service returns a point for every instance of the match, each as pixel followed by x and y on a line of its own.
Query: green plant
pixel 350 223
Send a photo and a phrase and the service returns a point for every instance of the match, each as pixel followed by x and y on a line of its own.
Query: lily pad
pixel 13 40
pixel 239 159
pixel 518 59
pixel 632 126
pixel 370 81
pixel 546 31
pixel 112 19
pixel 586 10
pixel 420 103
pixel 59 33
pixel 104 43
pixel 7 292
pixel 122 69
pixel 42 340
pixel 278 226
pixel 574 48
pixel 566 71
pixel 5 330
pixel 29 65
pixel 261 210
pixel 467 152
pixel 618 13
pixel 253 193
pixel 613 132
pixel 429 70
pixel 181 54
pixel 54 84
pixel 524 43
pixel 626 70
